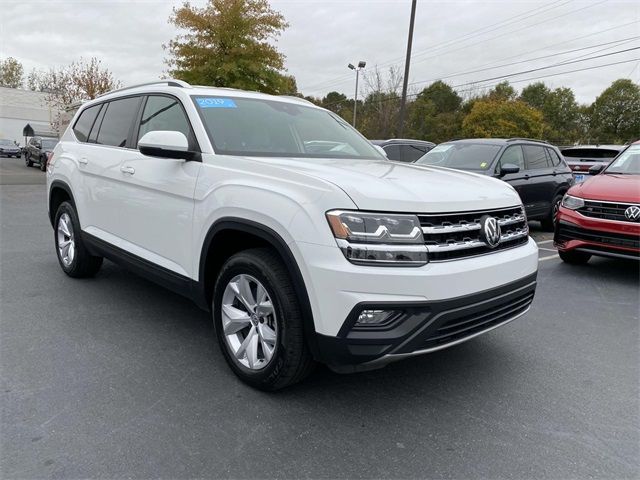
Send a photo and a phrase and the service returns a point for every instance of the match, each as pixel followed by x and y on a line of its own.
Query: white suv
pixel 300 237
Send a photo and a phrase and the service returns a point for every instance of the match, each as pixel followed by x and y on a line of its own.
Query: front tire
pixel 258 321
pixel 73 256
pixel 549 223
pixel 574 257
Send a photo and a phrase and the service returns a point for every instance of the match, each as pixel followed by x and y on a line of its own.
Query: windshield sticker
pixel 483 164
pixel 208 102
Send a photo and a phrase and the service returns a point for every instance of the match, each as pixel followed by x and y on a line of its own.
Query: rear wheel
pixel 74 258
pixel 549 223
pixel 43 164
pixel 258 321
pixel 575 257
pixel 27 160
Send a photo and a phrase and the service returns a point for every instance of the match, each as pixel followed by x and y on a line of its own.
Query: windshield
pixel 627 163
pixel 49 143
pixel 268 128
pixel 7 142
pixel 464 156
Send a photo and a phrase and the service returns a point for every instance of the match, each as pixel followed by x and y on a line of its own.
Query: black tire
pixel 28 161
pixel 83 263
pixel 43 164
pixel 549 223
pixel 291 360
pixel 574 257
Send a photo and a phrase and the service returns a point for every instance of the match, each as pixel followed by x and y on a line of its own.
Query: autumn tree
pixel 378 113
pixel 11 73
pixel 502 118
pixel 615 115
pixel 227 43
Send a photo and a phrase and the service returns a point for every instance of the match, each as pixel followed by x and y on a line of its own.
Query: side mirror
pixel 596 169
pixel 380 150
pixel 166 144
pixel 508 168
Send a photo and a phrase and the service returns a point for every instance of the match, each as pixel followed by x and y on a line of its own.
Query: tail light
pixel 49 157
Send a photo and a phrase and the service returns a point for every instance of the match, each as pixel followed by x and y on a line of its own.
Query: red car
pixel 602 215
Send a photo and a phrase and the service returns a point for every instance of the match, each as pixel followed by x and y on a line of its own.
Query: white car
pixel 300 237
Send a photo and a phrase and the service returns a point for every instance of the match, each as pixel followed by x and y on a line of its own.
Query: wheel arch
pixel 58 193
pixel 229 235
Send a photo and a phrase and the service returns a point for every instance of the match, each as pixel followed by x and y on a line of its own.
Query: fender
pixel 277 242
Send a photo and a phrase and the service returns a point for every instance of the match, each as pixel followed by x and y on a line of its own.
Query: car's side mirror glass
pixel 166 144
pixel 507 168
pixel 596 169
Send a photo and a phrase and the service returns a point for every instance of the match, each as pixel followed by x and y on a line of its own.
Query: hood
pixel 400 187
pixel 609 187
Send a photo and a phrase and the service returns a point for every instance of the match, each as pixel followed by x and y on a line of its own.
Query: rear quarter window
pixel 84 123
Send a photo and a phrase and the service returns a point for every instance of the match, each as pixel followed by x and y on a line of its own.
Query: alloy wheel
pixel 66 240
pixel 249 322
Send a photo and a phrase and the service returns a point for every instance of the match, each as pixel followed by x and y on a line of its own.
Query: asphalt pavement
pixel 115 377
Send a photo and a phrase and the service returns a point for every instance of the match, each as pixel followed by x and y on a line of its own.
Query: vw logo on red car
pixel 632 213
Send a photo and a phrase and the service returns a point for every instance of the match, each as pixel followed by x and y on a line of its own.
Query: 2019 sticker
pixel 209 102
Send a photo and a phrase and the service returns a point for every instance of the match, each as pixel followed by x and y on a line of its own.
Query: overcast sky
pixel 451 37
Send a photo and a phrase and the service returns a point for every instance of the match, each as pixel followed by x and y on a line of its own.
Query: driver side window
pixel 514 156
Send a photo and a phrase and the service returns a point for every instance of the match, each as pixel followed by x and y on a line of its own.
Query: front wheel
pixel 74 258
pixel 549 223
pixel 258 321
pixel 574 257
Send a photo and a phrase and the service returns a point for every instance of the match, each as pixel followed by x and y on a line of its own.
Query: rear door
pixel 157 194
pixel 542 182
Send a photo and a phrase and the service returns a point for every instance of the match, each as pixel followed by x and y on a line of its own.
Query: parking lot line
pixel 548 258
pixel 544 241
pixel 547 249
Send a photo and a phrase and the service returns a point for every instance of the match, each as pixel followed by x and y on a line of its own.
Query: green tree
pixel 615 114
pixel 340 104
pixel 227 44
pixel 502 91
pixel 11 73
pixel 535 94
pixel 561 114
pixel 434 115
pixel 502 118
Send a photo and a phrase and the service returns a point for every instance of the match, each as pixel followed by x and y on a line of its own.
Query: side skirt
pixel 159 275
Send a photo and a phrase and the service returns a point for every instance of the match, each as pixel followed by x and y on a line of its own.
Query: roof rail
pixel 294 97
pixel 171 82
pixel 515 139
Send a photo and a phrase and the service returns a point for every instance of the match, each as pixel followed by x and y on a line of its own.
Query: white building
pixel 19 108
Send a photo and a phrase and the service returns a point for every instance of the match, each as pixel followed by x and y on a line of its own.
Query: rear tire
pixel 28 161
pixel 574 257
pixel 43 165
pixel 261 331
pixel 73 256
pixel 549 223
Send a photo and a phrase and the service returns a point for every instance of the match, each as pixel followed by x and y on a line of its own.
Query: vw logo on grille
pixel 490 231
pixel 632 213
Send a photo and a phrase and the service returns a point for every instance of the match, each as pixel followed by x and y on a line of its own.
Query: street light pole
pixel 405 80
pixel 360 66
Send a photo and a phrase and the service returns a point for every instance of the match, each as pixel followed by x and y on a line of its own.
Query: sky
pixel 466 43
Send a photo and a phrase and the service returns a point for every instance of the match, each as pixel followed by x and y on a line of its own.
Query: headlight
pixel 572 203
pixel 378 238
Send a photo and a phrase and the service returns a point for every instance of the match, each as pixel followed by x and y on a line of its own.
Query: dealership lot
pixel 114 377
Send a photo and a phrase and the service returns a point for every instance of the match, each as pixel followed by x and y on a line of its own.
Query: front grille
pixel 605 210
pixel 569 232
pixel 452 236
pixel 478 321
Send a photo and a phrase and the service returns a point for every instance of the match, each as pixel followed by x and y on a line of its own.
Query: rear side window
pixel 164 113
pixel 411 153
pixel 535 157
pixel 117 122
pixel 555 158
pixel 83 126
pixel 393 152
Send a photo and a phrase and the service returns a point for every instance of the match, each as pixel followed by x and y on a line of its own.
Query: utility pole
pixel 405 80
pixel 360 66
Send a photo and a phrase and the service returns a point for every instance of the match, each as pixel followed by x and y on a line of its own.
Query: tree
pixel 434 114
pixel 502 91
pixel 338 103
pixel 11 73
pixel 378 114
pixel 502 118
pixel 227 45
pixel 616 113
pixel 535 94
pixel 561 115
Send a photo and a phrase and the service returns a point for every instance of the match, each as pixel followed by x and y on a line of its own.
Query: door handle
pixel 128 170
pixel 526 177
pixel 83 160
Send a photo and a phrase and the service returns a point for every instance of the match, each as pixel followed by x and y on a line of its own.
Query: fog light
pixel 376 317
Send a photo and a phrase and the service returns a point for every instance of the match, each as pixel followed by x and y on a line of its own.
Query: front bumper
pixel 600 237
pixel 425 327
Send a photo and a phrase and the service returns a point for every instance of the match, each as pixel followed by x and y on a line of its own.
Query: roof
pixel 401 140
pixel 496 141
